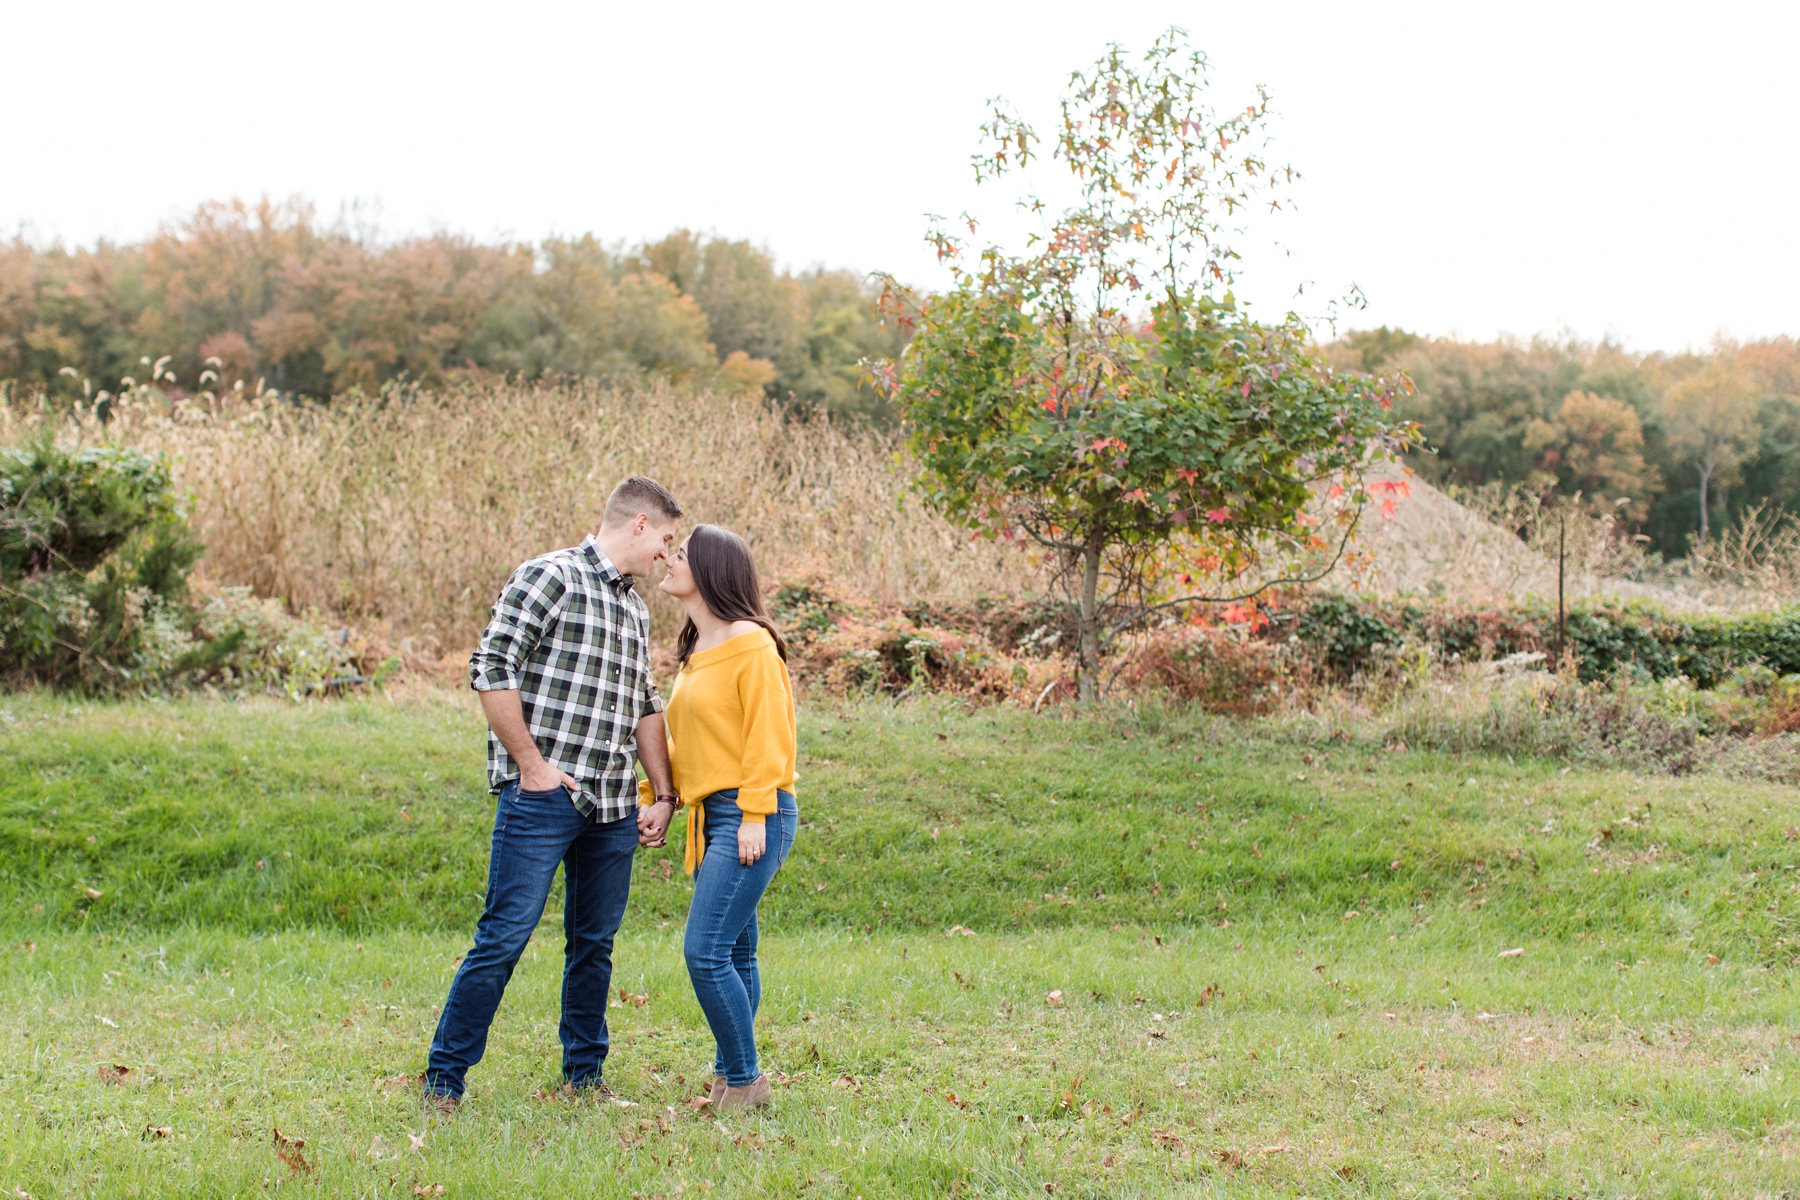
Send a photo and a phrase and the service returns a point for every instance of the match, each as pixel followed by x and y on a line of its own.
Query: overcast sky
pixel 1628 169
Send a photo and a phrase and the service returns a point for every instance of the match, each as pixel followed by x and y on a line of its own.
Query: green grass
pixel 1364 1038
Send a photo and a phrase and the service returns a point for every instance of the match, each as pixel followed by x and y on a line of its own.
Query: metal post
pixel 1562 613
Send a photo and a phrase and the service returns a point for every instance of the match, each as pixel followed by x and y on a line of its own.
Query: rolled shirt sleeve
pixel 527 605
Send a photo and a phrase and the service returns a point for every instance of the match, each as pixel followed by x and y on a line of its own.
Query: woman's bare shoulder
pixel 740 628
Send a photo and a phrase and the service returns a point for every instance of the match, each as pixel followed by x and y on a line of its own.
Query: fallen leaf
pixel 1229 1158
pixel 428 1189
pixel 1274 1149
pixel 958 929
pixel 93 893
pixel 1054 999
pixel 636 1000
pixel 952 1098
pixel 844 1081
pixel 418 1141
pixel 1712 960
pixel 699 1102
pixel 114 1072
pixel 1515 952
pixel 288 1149
pixel 106 1021
pixel 1068 1096
pixel 153 1132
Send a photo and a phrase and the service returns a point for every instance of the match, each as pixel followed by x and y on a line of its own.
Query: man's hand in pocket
pixel 542 777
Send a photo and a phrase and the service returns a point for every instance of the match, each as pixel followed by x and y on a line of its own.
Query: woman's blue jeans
pixel 721 929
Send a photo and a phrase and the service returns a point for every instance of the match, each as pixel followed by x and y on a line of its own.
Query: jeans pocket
pixel 558 790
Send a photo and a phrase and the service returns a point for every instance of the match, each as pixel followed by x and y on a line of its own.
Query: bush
pixel 94 561
pixel 95 592
pixel 1604 639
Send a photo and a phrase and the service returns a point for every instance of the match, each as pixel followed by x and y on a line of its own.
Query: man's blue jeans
pixel 720 945
pixel 533 831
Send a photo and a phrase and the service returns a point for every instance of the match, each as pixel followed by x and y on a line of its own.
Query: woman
pixel 730 719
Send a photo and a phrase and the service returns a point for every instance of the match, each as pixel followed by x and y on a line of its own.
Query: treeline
pixel 1678 445
pixel 320 310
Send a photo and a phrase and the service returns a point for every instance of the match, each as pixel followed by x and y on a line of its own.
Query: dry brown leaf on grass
pixel 288 1149
pixel 1229 1158
pixel 154 1132
pixel 635 999
pixel 1069 1093
pixel 428 1189
pixel 114 1073
pixel 952 1098
pixel 1515 952
pixel 846 1081
pixel 1054 999
pixel 956 930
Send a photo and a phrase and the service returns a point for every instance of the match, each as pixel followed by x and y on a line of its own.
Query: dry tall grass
pixel 407 512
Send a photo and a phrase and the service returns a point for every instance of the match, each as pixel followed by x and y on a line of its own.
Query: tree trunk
pixel 1705 478
pixel 1090 619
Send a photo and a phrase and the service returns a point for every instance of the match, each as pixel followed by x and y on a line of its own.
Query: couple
pixel 563 671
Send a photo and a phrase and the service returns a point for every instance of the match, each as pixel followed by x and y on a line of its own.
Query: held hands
pixel 753 840
pixel 653 823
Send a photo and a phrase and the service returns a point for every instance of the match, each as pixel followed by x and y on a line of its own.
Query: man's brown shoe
pixel 442 1105
pixel 754 1094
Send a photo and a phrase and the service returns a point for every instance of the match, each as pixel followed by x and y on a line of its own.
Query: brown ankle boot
pixel 754 1094
pixel 718 1091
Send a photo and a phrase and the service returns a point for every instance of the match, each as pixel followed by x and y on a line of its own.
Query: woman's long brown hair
pixel 726 576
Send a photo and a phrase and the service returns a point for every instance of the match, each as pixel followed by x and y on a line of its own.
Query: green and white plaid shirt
pixel 570 634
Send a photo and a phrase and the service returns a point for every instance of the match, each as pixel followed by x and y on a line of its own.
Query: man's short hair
pixel 639 495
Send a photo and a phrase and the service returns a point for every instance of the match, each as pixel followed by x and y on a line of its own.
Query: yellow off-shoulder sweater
pixel 730 721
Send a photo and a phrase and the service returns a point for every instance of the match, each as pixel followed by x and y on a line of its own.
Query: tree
pixel 1041 405
pixel 1594 446
pixel 1712 422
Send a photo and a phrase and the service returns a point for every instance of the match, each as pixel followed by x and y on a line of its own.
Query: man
pixel 563 672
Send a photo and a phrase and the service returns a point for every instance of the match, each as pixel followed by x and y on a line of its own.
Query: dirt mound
pixel 1433 546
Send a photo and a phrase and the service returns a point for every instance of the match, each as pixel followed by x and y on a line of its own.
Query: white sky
pixel 1630 169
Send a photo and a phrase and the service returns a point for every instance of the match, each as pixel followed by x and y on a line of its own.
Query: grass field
pixel 1201 961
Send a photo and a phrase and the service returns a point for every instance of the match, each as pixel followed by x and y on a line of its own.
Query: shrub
pixel 95 592
pixel 94 561
pixel 1604 639
pixel 1215 668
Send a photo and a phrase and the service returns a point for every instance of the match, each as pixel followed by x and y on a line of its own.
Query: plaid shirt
pixel 574 639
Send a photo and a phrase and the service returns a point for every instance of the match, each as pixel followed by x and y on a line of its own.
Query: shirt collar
pixel 619 581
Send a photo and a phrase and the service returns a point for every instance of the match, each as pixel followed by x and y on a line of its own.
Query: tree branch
pixel 1146 610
